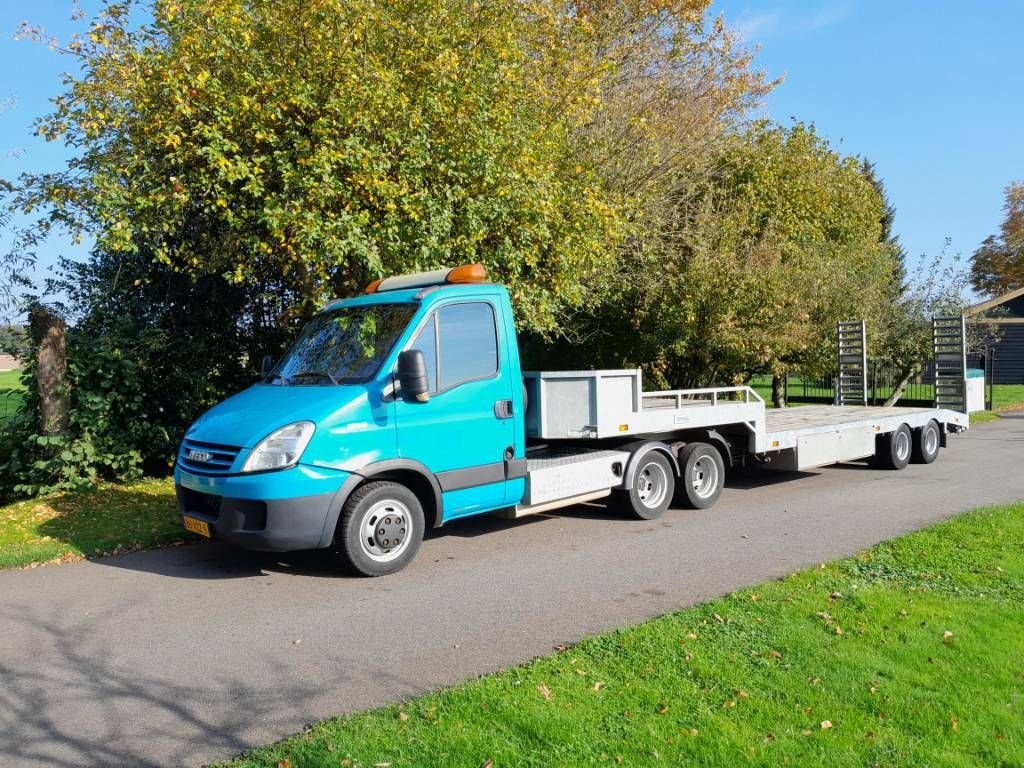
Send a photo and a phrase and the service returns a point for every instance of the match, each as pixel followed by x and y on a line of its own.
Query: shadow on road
pixel 219 561
pixel 80 708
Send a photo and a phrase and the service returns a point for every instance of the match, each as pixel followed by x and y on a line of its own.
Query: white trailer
pixel 595 433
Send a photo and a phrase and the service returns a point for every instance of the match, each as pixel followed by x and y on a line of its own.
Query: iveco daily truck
pixel 405 408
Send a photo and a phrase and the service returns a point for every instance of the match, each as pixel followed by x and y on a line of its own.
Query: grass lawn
pixel 71 526
pixel 911 653
pixel 11 393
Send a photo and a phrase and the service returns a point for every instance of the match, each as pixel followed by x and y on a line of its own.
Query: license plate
pixel 197 526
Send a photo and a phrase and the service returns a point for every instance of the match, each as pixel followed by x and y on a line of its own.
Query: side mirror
pixel 412 376
pixel 267 365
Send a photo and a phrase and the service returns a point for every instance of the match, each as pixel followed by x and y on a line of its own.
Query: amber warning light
pixel 466 273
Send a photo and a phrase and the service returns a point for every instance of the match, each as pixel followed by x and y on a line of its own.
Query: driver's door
pixel 462 432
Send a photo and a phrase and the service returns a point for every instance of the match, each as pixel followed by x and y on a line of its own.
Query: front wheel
pixel 892 450
pixel 653 485
pixel 380 529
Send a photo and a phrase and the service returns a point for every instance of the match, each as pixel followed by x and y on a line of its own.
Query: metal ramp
pixel 949 340
pixel 852 382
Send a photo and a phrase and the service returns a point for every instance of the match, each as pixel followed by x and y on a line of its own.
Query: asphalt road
pixel 191 654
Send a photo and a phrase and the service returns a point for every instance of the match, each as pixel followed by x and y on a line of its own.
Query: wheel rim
pixel 902 445
pixel 704 477
pixel 931 440
pixel 652 485
pixel 385 530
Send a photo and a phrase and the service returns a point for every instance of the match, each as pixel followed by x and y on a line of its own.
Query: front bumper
pixel 272 512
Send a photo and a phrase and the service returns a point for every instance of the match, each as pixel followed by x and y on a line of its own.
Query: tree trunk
pixel 778 391
pixel 49 333
pixel 897 393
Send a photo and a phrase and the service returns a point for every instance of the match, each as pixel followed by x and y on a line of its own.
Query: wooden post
pixel 49 334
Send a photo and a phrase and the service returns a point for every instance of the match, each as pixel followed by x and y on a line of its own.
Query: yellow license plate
pixel 197 526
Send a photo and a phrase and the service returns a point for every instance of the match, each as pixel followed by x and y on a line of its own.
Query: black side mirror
pixel 267 365
pixel 412 375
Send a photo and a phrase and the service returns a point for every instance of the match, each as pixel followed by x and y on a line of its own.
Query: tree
pixel 754 262
pixel 331 142
pixel 237 162
pixel 997 266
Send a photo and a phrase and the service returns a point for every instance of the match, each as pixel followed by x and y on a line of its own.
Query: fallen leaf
pixel 382 765
pixel 560 647
pixel 662 709
pixel 835 596
pixel 284 763
pixel 598 686
pixel 743 694
pixel 775 654
pixel 719 619
pixel 297 641
pixel 954 724
pixel 805 732
pixel 488 763
pixel 544 691
pixel 403 716
pixel 729 704
pixel 826 724
pixel 769 738
pixel 946 636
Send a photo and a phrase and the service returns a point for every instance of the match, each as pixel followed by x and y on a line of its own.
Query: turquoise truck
pixel 406 408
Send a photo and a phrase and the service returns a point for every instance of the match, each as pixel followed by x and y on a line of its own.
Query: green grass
pixel 12 392
pixel 70 526
pixel 911 653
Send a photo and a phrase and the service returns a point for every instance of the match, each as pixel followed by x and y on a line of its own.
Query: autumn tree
pixel 754 261
pixel 998 264
pixel 237 162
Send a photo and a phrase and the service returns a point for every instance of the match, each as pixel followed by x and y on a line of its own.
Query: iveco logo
pixel 200 456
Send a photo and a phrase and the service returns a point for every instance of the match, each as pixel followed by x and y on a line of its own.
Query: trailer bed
pixel 814 436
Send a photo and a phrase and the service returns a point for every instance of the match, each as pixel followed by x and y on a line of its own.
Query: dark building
pixel 1006 313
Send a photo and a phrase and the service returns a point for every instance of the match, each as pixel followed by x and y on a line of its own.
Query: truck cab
pixel 405 403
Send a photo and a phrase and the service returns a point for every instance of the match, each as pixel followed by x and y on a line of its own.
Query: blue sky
pixel 929 91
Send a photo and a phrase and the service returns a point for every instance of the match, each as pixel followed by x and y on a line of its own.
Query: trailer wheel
pixel 380 529
pixel 893 450
pixel 653 486
pixel 702 476
pixel 926 443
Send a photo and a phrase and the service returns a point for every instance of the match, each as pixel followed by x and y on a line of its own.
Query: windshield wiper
pixel 321 374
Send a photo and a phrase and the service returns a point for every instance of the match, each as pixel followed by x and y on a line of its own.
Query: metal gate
pixel 949 338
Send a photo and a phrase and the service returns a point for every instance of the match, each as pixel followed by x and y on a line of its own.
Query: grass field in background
pixel 908 654
pixel 11 393
pixel 70 526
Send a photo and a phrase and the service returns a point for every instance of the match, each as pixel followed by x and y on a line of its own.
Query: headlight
pixel 281 448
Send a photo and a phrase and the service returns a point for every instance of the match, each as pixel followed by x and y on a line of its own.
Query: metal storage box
pixel 571 404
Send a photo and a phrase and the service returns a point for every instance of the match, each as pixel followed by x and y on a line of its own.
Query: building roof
pixel 986 305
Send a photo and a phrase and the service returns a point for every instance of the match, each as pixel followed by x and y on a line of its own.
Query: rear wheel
pixel 927 440
pixel 702 476
pixel 653 485
pixel 893 449
pixel 380 529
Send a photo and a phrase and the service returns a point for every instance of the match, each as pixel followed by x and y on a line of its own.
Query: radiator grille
pixel 207 458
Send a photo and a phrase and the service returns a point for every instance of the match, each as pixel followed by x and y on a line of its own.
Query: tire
pixel 702 476
pixel 927 440
pixel 374 517
pixel 892 450
pixel 653 486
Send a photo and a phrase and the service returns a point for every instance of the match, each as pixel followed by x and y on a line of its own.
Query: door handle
pixel 503 409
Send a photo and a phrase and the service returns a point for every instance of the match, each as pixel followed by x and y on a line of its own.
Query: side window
pixel 426 342
pixel 468 341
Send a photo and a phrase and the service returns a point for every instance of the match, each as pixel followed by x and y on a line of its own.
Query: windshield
pixel 343 346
